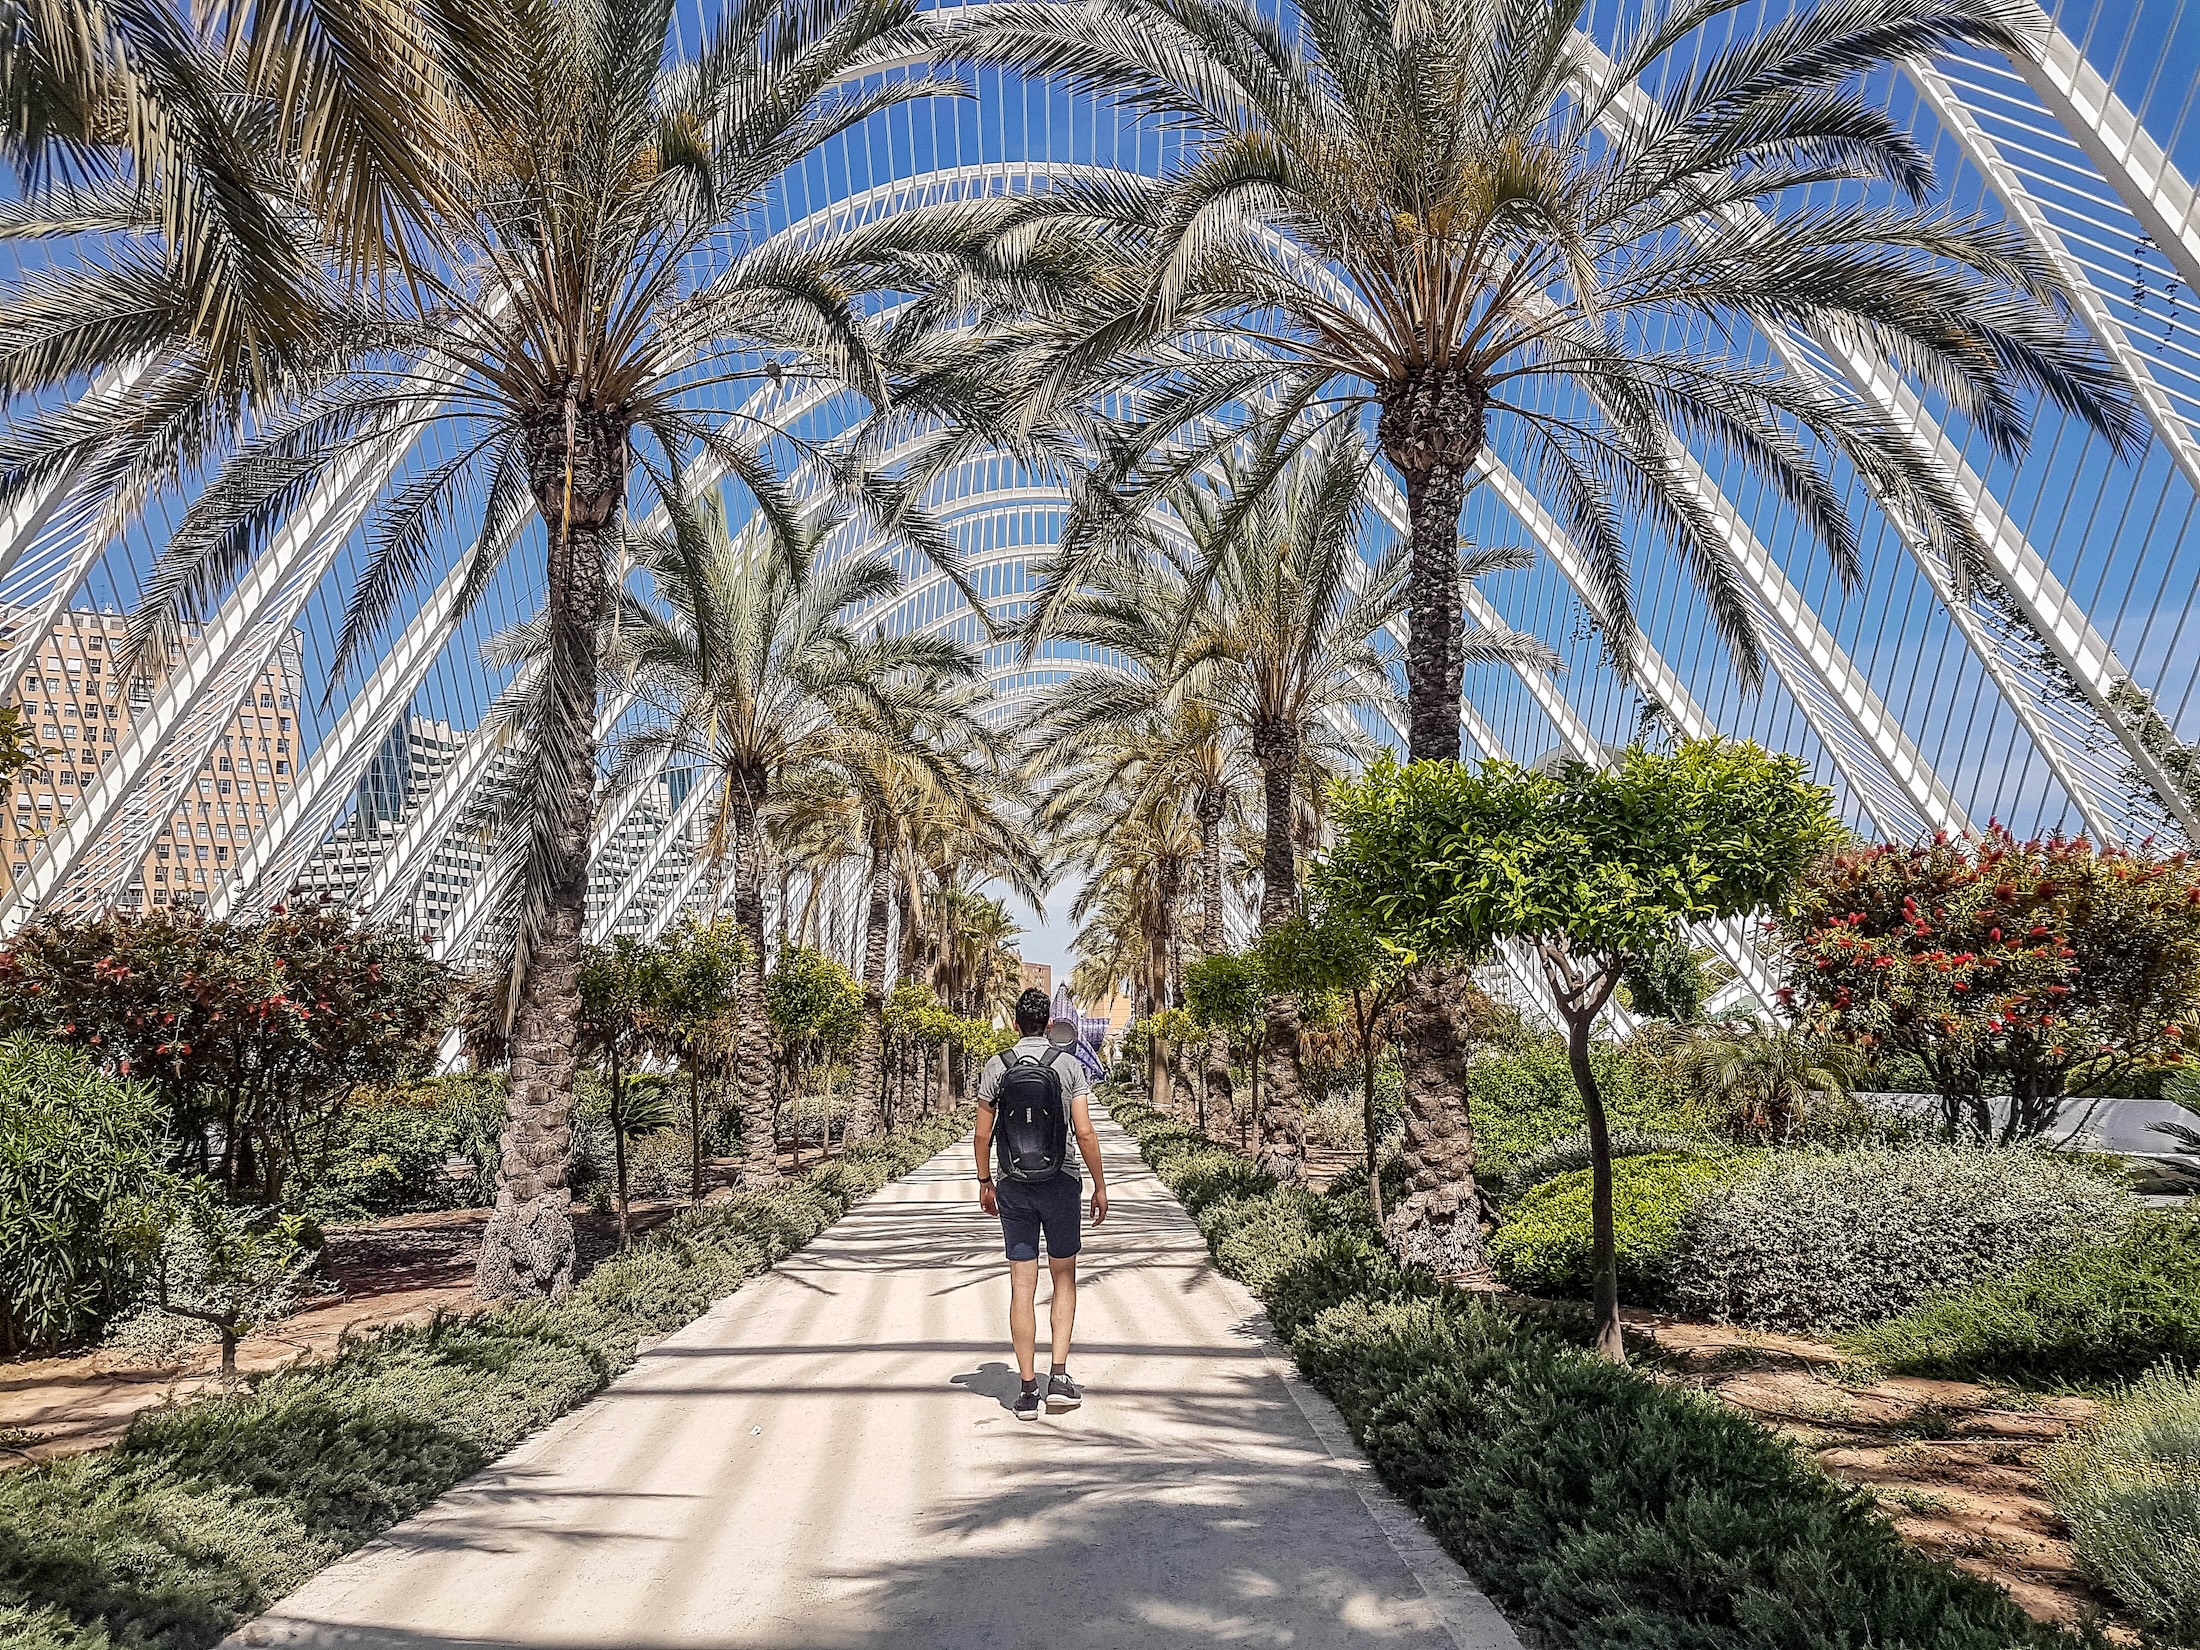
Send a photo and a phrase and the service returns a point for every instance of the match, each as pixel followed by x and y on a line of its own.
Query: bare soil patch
pixel 1951 1464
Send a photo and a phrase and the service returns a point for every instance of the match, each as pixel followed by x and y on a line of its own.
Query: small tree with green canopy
pixel 621 986
pixel 698 981
pixel 1591 867
pixel 1333 952
pixel 230 1267
pixel 1224 992
pixel 815 1009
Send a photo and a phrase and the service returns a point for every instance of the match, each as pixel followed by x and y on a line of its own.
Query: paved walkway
pixel 827 1461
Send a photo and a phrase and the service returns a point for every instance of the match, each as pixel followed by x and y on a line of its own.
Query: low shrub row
pixel 1597 1507
pixel 209 1511
pixel 1818 1241
pixel 2128 1485
pixel 2103 1310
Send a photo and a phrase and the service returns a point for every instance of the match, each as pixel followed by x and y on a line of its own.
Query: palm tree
pixel 1463 219
pixel 927 750
pixel 1138 854
pixel 1768 1079
pixel 236 151
pixel 1131 727
pixel 1287 621
pixel 1415 209
pixel 592 285
pixel 761 682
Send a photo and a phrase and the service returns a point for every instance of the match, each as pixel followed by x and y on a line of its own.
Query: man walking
pixel 1033 1106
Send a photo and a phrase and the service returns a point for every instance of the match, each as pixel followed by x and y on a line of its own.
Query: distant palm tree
pixel 1137 725
pixel 760 681
pixel 595 282
pixel 1284 624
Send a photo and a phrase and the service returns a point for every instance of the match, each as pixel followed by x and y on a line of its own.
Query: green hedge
pixel 2083 1316
pixel 73 1144
pixel 1597 1507
pixel 1525 1100
pixel 1543 1246
pixel 209 1511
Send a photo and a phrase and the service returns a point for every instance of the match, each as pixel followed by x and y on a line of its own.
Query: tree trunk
pixel 1214 1087
pixel 1435 1224
pixel 695 1130
pixel 1432 429
pixel 866 1088
pixel 1603 1249
pixel 1282 1117
pixel 618 1141
pixel 1364 1022
pixel 576 465
pixel 753 1055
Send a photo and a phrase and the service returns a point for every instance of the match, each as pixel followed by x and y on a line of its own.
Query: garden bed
pixel 1601 1505
pixel 209 1510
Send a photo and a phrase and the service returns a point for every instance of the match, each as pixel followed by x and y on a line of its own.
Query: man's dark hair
pixel 1033 1009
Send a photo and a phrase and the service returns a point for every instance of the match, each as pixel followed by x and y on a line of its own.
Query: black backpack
pixel 1029 1119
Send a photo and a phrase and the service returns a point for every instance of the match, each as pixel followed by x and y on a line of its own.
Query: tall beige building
pixel 77 707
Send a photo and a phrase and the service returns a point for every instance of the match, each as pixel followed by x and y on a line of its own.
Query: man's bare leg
pixel 1023 1315
pixel 1062 1309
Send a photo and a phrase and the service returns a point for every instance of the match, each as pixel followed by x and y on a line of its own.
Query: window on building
pixel 281 766
pixel 222 854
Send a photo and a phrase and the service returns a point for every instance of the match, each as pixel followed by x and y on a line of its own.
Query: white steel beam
pixel 2170 427
pixel 2045 606
pixel 2134 165
pixel 233 650
pixel 304 815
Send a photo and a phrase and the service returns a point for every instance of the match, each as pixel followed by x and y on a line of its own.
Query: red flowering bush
pixel 251 1033
pixel 2026 967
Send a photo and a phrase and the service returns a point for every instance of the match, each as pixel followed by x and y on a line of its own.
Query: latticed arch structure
pixel 2057 693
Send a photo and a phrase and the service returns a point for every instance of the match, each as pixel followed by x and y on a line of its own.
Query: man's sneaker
pixel 1027 1404
pixel 1063 1394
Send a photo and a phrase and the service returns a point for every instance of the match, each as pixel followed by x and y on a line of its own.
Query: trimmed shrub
pixel 73 1144
pixel 2128 1485
pixel 1543 1246
pixel 390 1151
pixel 1570 1152
pixel 1523 1101
pixel 210 1510
pixel 1597 1507
pixel 2102 1311
pixel 1828 1240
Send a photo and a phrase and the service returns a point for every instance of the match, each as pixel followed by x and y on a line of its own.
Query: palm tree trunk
pixel 759 1150
pixel 577 465
pixel 1432 428
pixel 865 1087
pixel 1281 1116
pixel 1435 1223
pixel 1214 1088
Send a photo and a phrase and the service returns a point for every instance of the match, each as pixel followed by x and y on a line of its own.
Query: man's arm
pixel 989 1084
pixel 1088 1147
pixel 985 1157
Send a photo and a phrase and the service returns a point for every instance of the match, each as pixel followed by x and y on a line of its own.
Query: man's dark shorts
pixel 1030 1207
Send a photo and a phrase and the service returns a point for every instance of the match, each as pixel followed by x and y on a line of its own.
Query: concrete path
pixel 827 1461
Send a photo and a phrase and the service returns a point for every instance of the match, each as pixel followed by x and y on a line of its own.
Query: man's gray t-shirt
pixel 1074 1083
